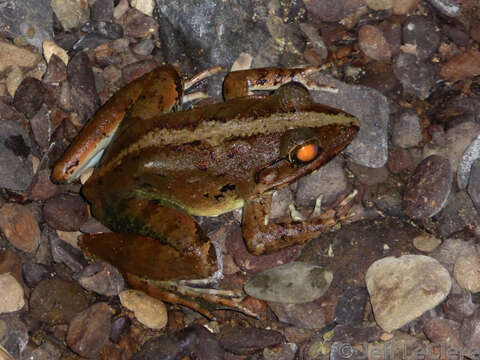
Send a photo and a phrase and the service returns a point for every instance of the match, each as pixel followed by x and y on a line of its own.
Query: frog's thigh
pixel 170 244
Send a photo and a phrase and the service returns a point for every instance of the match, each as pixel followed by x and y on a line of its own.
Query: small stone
pixel 33 273
pixel 102 10
pixel 14 79
pixel 144 47
pixel 428 188
pixel 459 306
pixel 426 242
pixel 417 77
pixel 88 331
pixel 120 326
pixel 367 175
pixel 467 272
pixel 471 154
pixel 50 48
pixel 12 294
pixel 443 331
pixel 11 55
pixel 305 316
pixel 57 301
pixel 459 214
pixel 373 43
pixel 470 331
pixel 65 212
pixel 101 278
pixel 474 184
pixel 29 96
pixel 244 341
pixel 402 289
pixel 139 25
pixel 419 33
pixel 399 160
pixel 20 227
pixel 406 130
pixel 403 7
pixel 71 13
pixel 149 311
pixel 292 283
pixel 447 7
pixel 145 6
pixel 462 66
pixel 351 306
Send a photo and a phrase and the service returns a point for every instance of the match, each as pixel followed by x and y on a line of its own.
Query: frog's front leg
pixel 165 84
pixel 243 82
pixel 262 236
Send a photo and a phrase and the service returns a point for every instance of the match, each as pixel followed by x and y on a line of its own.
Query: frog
pixel 162 166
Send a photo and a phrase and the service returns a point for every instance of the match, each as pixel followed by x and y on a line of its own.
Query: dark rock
pixel 419 31
pixel 120 326
pixel 330 10
pixel 31 19
pixel 368 175
pixel 459 305
pixel 417 77
pixel 66 212
pixel 373 43
pixel 29 96
pixel 33 273
pixel 406 130
pixel 144 47
pixel 470 331
pixel 57 301
pixel 138 25
pixel 474 184
pixel 194 340
pixel 305 316
pixel 109 30
pixel 461 66
pixel 102 10
pixel 82 85
pixel 42 127
pixel 56 71
pixel 245 341
pixel 399 160
pixel 428 188
pixel 66 40
pixel 16 335
pixel 88 331
pixel 42 187
pixel 351 306
pixel 137 69
pixel 443 331
pixel 101 278
pixel 458 35
pixel 63 252
pixel 286 351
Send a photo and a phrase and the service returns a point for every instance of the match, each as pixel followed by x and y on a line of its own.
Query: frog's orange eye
pixel 307 152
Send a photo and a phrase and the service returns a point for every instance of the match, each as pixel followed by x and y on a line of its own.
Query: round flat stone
pixel 292 283
pixel 402 289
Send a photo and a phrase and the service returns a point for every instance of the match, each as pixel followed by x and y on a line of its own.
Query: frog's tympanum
pixel 160 168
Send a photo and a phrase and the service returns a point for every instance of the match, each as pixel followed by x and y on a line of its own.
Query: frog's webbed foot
pixel 262 236
pixel 201 300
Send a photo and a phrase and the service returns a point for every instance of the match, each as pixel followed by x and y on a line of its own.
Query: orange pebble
pixel 307 152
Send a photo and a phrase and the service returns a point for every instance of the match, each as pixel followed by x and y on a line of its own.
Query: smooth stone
pixel 149 311
pixel 292 283
pixel 12 294
pixel 471 153
pixel 402 289
pixel 466 271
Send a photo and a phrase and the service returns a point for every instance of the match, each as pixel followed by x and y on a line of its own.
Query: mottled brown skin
pixel 149 190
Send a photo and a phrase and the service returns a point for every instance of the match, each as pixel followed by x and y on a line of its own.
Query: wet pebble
pixel 461 66
pixel 244 341
pixel 137 69
pixel 305 316
pixel 82 85
pixel 57 301
pixel 144 47
pixel 89 330
pixel 419 32
pixel 120 326
pixel 33 273
pixel 426 242
pixel 193 341
pixel 102 10
pixel 474 184
pixel 470 331
pixel 471 154
pixel 70 13
pixel 66 212
pixel 403 7
pixel 451 249
pixel 63 252
pixel 406 130
pixel 287 351
pixel 443 331
pixel 138 25
pixel 42 187
pixel 417 77
pixel 11 55
pixel 467 272
pixel 368 175
pixel 29 96
pixel 399 160
pixel 12 294
pixel 149 311
pixel 293 283
pixel 251 263
pixel 110 31
pixel 459 305
pixel 402 289
pixel 20 227
pixel 373 43
pixel 450 8
pixel 428 188
pixel 351 306
pixel 453 143
pixel 101 278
